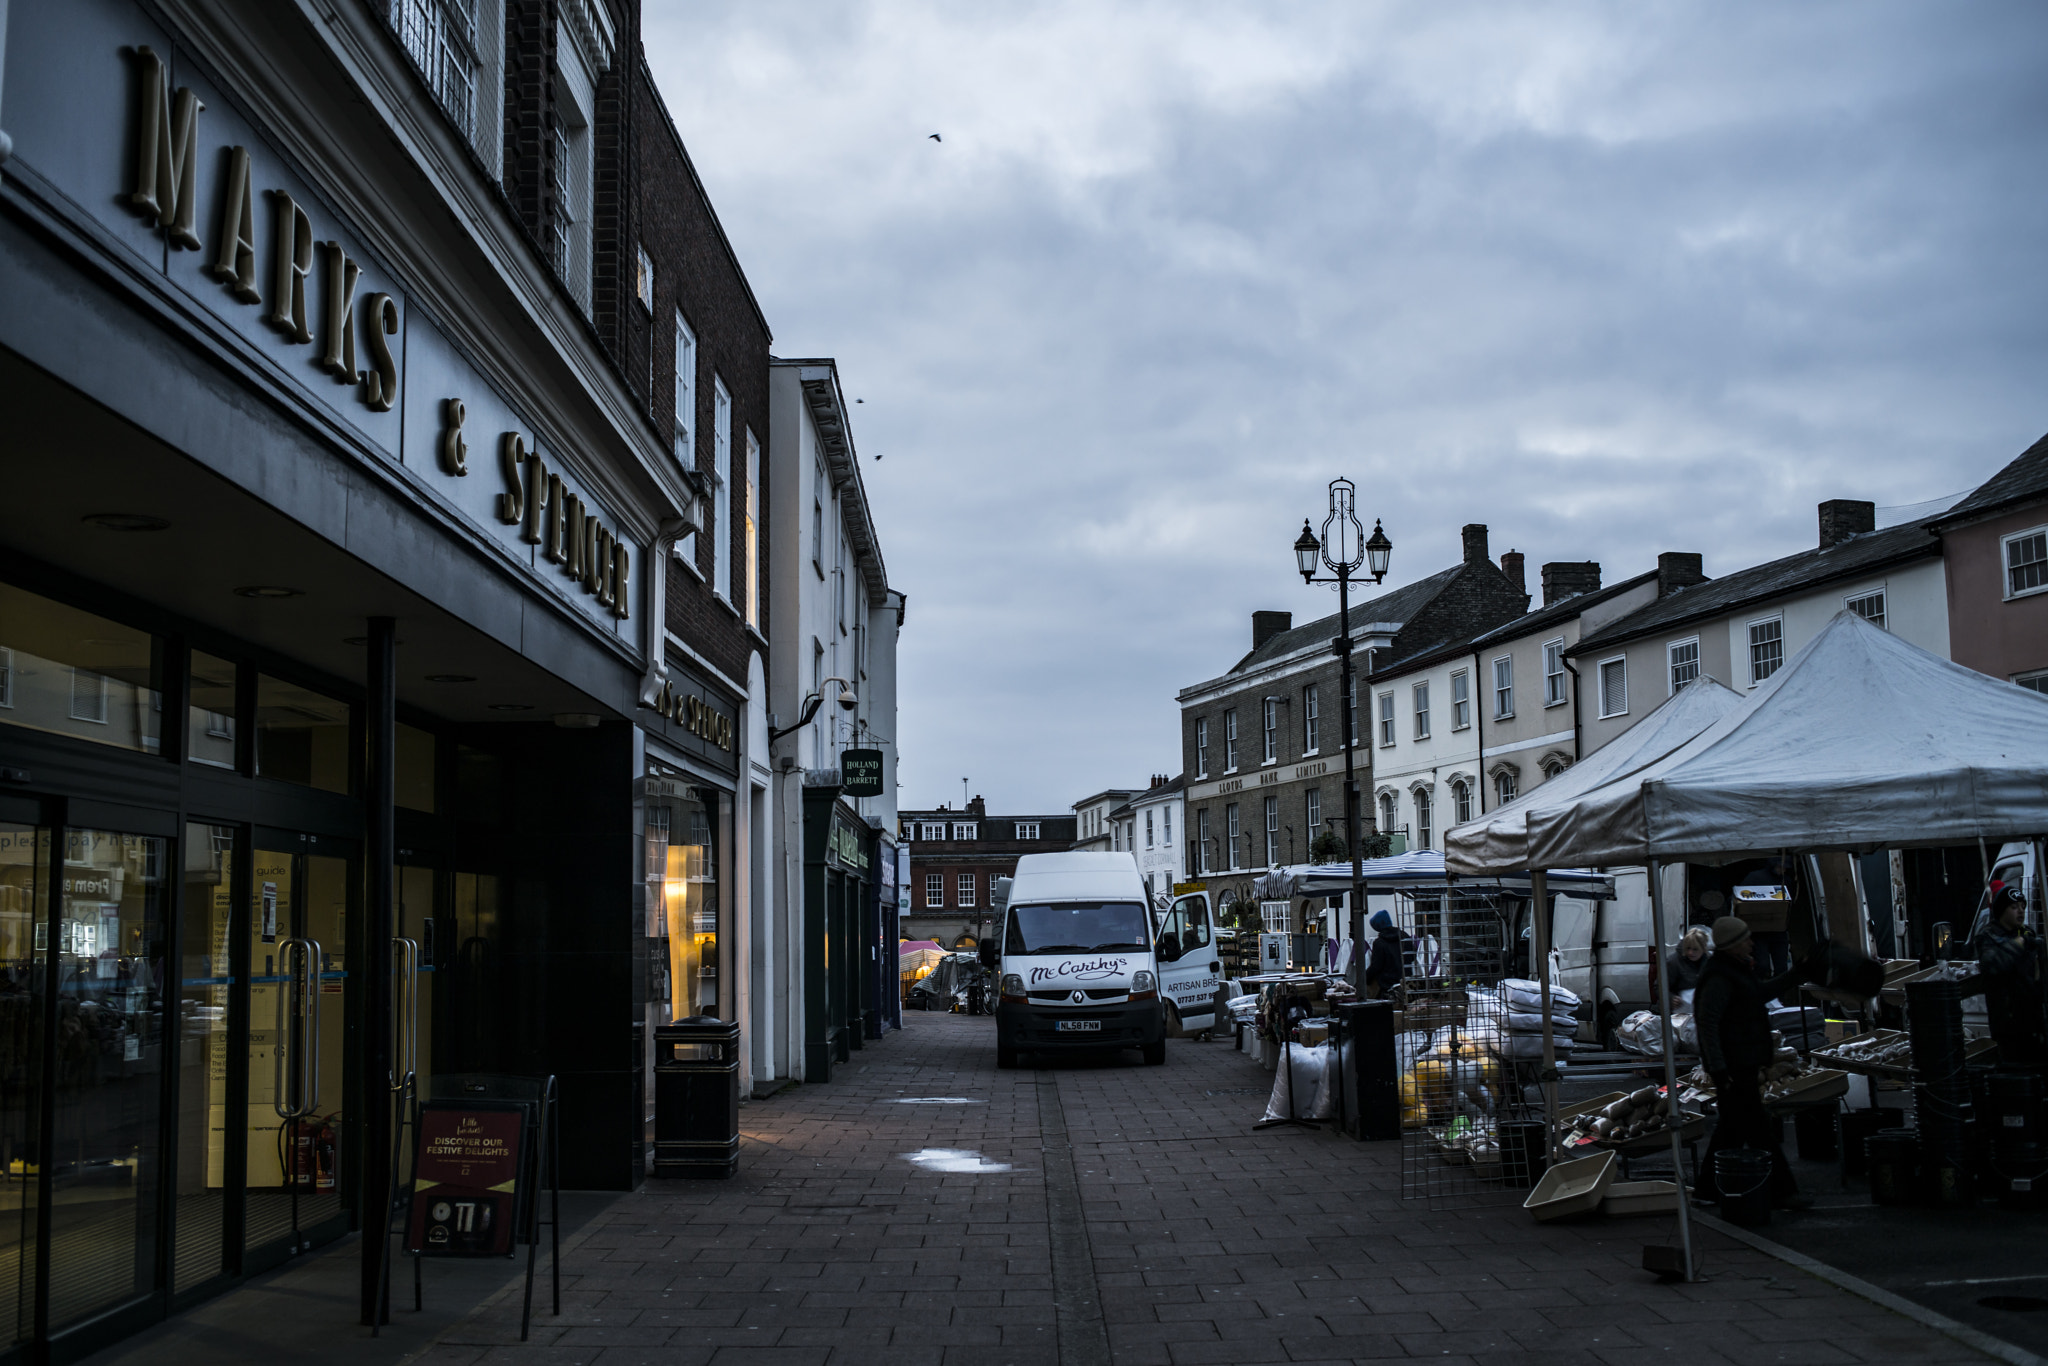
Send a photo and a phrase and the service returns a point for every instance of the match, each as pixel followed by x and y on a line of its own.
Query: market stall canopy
pixel 1498 841
pixel 1862 741
pixel 916 955
pixel 919 946
pixel 1418 870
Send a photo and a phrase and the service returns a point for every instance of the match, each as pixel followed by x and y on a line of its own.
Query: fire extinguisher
pixel 302 1154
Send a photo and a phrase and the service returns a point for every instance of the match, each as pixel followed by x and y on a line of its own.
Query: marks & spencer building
pixel 354 417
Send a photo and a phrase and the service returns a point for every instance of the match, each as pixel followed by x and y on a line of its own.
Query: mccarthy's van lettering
pixel 1087 970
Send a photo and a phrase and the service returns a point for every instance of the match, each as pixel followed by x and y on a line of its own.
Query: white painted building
pixel 1159 834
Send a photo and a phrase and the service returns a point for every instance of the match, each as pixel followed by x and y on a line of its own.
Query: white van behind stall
pixel 1076 968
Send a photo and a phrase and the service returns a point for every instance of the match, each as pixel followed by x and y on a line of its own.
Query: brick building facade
pixel 955 859
pixel 1263 744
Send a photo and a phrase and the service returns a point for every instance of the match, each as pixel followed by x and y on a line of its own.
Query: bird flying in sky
pixel 936 138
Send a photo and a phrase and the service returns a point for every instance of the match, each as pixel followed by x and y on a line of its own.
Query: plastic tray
pixel 1570 1188
pixel 1815 1088
pixel 1658 1140
pixel 1626 1198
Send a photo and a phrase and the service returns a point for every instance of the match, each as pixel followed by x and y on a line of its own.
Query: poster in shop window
pixel 466 1169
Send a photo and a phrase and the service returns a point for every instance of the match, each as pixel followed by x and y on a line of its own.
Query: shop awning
pixel 1498 841
pixel 1862 741
pixel 1419 870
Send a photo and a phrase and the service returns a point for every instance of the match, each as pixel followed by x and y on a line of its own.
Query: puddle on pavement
pixel 954 1160
pixel 938 1100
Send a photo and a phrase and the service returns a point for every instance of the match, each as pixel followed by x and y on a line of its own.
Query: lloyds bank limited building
pixel 363 365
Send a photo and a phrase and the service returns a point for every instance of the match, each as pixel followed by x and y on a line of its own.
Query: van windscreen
pixel 1078 927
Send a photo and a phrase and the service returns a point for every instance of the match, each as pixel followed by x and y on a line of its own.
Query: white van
pixel 1602 948
pixel 1076 966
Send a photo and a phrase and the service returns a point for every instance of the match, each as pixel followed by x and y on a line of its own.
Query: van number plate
pixel 1076 1026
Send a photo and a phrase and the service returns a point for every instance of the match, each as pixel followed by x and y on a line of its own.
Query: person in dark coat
pixel 1383 968
pixel 2010 965
pixel 1731 1011
pixel 1685 966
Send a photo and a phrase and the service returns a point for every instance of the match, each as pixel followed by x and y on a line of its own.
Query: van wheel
pixel 1006 1057
pixel 1154 1053
pixel 1610 1020
pixel 1172 1021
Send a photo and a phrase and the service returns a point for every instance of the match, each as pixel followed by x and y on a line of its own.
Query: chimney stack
pixel 1678 569
pixel 1842 518
pixel 977 806
pixel 1568 578
pixel 1266 625
pixel 1475 543
pixel 1511 565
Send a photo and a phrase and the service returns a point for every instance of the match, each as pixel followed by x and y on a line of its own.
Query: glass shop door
pixel 298 1132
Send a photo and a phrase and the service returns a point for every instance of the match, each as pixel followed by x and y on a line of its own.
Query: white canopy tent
pixel 1861 741
pixel 1497 842
pixel 1416 870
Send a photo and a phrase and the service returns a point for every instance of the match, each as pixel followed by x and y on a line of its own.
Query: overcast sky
pixel 1612 279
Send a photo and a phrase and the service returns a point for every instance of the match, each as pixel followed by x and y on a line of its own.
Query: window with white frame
pixel 1386 719
pixel 967 889
pixel 1201 746
pixel 2037 681
pixel 1027 830
pixel 721 489
pixel 1461 800
pixel 750 566
pixel 1272 832
pixel 572 171
pixel 1422 710
pixel 1461 700
pixel 1766 648
pixel 931 830
pixel 1230 834
pixel 1230 741
pixel 1311 719
pixel 1505 786
pixel 1314 800
pixel 965 830
pixel 2026 562
pixel 456 46
pixel 1503 687
pixel 1422 818
pixel 1269 740
pixel 88 697
pixel 1683 657
pixel 1554 693
pixel 1614 686
pixel 643 280
pixel 818 500
pixel 1148 831
pixel 686 393
pixel 1869 606
pixel 934 889
pixel 1351 709
pixel 1202 839
pixel 1389 814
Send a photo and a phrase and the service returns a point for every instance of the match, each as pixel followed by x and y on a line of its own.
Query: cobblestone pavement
pixel 1210 1243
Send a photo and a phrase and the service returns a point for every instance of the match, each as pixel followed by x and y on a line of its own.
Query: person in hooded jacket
pixel 1731 1010
pixel 1383 968
pixel 2010 965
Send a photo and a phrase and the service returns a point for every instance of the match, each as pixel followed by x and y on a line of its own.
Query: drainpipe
pixel 672 529
pixel 6 143
pixel 1479 705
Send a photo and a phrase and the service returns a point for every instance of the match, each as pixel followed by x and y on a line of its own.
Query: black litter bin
pixel 1372 1083
pixel 697 1098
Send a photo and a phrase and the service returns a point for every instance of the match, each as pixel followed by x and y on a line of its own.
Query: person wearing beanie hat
pixel 1731 1012
pixel 2010 966
pixel 1383 968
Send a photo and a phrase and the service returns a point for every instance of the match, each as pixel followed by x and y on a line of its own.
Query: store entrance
pixel 296 932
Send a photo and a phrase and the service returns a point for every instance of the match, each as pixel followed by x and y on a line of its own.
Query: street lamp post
pixel 1343 549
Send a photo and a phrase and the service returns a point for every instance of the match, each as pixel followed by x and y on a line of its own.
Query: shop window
pixel 301 735
pixel 202 1058
pixel 414 768
pixel 72 673
pixel 689 898
pixel 108 935
pixel 210 724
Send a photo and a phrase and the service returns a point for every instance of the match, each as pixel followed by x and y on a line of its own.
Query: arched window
pixel 1423 831
pixel 1503 786
pixel 1389 814
pixel 1461 800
